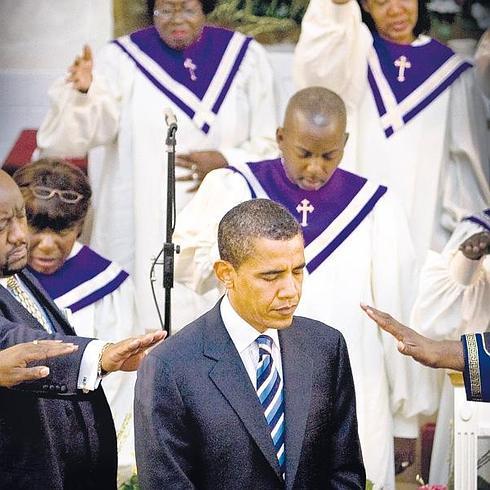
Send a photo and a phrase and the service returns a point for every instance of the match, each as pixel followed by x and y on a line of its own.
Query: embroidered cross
pixel 191 67
pixel 402 64
pixel 304 208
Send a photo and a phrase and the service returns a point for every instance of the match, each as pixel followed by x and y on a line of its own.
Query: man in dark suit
pixel 56 432
pixel 248 396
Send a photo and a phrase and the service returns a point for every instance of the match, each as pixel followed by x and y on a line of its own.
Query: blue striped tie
pixel 270 393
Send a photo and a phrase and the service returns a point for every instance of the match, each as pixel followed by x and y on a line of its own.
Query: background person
pixel 219 85
pixel 97 293
pixel 248 394
pixel 416 119
pixel 58 429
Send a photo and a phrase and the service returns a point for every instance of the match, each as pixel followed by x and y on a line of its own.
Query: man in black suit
pixel 56 432
pixel 248 396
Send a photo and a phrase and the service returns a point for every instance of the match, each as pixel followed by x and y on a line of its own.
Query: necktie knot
pixel 265 342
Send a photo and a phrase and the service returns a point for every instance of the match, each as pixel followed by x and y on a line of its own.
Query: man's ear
pixel 279 136
pixel 225 273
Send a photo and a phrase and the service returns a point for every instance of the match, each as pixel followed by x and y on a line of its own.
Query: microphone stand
pixel 169 248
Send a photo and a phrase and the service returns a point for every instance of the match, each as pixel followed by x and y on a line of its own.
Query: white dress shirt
pixel 244 338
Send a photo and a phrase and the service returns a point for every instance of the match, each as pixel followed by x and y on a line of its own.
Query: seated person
pixel 97 295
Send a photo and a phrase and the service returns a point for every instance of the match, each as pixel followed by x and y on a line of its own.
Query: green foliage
pixel 369 485
pixel 131 484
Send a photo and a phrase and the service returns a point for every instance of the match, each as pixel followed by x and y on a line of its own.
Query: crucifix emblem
pixel 304 207
pixel 402 64
pixel 191 67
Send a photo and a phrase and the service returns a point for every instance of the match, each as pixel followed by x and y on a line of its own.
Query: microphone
pixel 170 119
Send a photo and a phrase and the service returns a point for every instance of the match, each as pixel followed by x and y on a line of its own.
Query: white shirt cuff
pixel 87 376
pixel 406 427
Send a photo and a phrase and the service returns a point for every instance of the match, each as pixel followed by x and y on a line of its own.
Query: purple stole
pixel 405 79
pixel 82 280
pixel 328 216
pixel 481 219
pixel 197 79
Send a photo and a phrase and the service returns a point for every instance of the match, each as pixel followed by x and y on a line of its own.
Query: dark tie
pixel 270 393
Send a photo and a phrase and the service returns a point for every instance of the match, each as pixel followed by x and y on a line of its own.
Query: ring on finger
pixel 35 342
pixel 193 168
pixel 405 464
pixel 195 176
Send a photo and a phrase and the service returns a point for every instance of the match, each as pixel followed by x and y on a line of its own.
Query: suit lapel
pixel 231 378
pixel 297 369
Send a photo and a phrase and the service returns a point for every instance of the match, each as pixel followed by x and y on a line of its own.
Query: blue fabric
pixel 477 366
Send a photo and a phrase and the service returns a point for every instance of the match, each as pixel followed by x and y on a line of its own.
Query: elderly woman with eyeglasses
pixel 219 85
pixel 95 293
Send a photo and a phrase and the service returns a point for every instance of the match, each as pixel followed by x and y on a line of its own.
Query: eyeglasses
pixel 187 13
pixel 42 192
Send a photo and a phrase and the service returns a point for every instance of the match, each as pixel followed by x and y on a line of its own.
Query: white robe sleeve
pixel 394 283
pixel 196 230
pixel 78 122
pixel 262 110
pixel 464 184
pixel 454 292
pixel 332 49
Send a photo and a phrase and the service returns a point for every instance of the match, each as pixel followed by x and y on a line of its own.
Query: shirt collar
pixel 242 333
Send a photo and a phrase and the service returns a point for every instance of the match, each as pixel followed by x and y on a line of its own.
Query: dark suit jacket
pixel 199 423
pixel 51 434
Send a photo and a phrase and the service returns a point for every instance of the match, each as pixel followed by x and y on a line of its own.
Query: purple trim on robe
pixel 328 202
pixel 82 267
pixel 250 188
pixel 481 219
pixel 425 60
pixel 206 53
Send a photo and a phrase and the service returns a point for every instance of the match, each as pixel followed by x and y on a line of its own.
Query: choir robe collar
pixel 406 78
pixel 327 216
pixel 196 79
pixel 84 278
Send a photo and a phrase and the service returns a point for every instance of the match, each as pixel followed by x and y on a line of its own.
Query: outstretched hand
pixel 476 246
pixel 431 353
pixel 127 354
pixel 14 360
pixel 80 72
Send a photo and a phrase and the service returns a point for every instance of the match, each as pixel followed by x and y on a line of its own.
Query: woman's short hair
pixel 421 27
pixel 54 213
pixel 207 6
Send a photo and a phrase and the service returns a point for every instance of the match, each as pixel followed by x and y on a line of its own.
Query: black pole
pixel 169 248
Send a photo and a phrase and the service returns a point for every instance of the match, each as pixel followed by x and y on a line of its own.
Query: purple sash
pixel 328 216
pixel 82 280
pixel 405 79
pixel 196 79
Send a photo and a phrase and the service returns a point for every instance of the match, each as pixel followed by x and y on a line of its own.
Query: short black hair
pixel 257 218
pixel 53 213
pixel 207 7
pixel 421 27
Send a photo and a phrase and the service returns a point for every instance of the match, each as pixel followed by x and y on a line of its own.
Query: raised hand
pixel 14 360
pixel 199 163
pixel 431 353
pixel 80 72
pixel 476 246
pixel 127 354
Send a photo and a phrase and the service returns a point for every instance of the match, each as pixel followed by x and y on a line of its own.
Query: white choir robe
pixel 453 299
pixel 375 265
pixel 124 112
pixel 111 318
pixel 437 164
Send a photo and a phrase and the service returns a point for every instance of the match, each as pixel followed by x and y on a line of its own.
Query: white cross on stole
pixel 191 67
pixel 304 208
pixel 402 64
